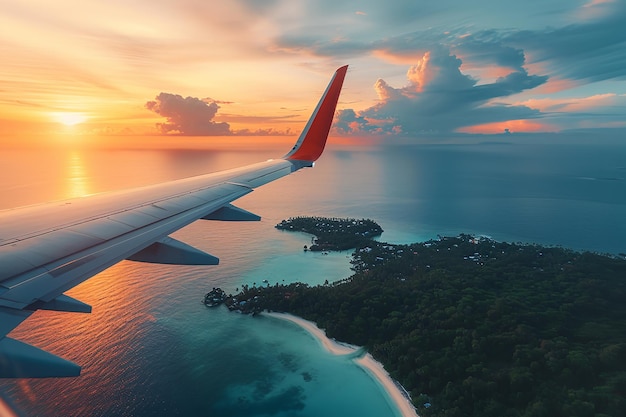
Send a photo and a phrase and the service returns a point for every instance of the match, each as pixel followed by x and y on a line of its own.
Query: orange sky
pixel 68 76
pixel 92 70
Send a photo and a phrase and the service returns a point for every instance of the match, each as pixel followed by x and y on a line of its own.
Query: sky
pixel 252 67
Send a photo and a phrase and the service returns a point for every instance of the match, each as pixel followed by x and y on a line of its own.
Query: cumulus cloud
pixel 440 98
pixel 189 116
pixel 471 68
pixel 348 122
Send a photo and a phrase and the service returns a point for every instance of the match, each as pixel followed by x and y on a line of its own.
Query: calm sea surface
pixel 151 348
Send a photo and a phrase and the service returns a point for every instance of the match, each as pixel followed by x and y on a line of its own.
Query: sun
pixel 69 118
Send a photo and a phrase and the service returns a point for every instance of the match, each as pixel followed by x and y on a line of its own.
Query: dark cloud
pixel 484 51
pixel 591 51
pixel 187 115
pixel 439 98
pixel 513 83
pixel 348 122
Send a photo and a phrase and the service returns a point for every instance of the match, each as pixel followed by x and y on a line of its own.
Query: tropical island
pixel 333 233
pixel 474 327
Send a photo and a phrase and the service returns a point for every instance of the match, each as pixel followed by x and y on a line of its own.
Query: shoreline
pixel 367 362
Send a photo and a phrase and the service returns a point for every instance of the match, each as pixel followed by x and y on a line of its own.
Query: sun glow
pixel 68 118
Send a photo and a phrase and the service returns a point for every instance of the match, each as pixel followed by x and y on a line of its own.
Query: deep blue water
pixel 151 348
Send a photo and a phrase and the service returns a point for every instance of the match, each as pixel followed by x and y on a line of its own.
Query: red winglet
pixel 312 140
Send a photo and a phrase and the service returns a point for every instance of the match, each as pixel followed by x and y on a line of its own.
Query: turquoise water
pixel 151 348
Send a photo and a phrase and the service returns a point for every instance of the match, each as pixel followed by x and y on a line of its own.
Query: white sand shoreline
pixel 367 362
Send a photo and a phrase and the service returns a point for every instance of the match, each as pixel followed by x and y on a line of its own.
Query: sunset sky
pixel 194 67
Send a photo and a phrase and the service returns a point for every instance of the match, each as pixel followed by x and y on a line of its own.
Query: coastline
pixel 367 362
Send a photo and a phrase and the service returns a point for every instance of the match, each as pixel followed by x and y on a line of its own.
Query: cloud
pixel 587 51
pixel 598 111
pixel 574 104
pixel 192 116
pixel 188 116
pixel 440 98
pixel 263 132
pixel 590 49
pixel 258 120
pixel 482 52
pixel 464 75
pixel 348 122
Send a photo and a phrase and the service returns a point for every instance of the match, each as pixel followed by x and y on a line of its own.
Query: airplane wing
pixel 47 249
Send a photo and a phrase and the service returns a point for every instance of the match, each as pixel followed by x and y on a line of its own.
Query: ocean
pixel 151 348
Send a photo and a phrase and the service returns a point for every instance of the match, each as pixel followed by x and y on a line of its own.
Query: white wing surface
pixel 49 248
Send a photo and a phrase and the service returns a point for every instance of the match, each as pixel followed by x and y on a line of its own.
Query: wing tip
pixel 312 140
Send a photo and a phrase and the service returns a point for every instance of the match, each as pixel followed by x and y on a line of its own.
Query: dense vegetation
pixel 333 233
pixel 480 328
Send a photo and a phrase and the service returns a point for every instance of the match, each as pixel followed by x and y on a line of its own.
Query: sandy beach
pixel 374 368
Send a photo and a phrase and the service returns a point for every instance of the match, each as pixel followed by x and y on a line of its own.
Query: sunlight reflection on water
pixel 78 183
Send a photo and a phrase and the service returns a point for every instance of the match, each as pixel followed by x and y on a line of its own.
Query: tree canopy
pixel 480 328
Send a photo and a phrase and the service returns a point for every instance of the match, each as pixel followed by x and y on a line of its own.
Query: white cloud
pixel 189 116
pixel 439 98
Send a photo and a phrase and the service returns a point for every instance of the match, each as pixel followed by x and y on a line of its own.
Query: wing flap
pixel 62 303
pixel 173 252
pixel 232 213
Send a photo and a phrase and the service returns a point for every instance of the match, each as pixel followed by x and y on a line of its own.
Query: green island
pixel 474 327
pixel 332 233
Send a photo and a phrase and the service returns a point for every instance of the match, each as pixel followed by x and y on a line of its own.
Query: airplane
pixel 47 249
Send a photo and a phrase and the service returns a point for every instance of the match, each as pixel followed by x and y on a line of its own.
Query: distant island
pixel 333 233
pixel 471 326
